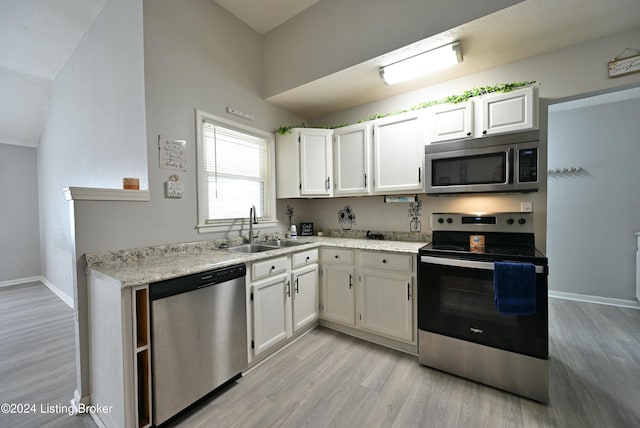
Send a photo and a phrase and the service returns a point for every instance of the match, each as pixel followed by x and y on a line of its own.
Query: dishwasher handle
pixel 183 284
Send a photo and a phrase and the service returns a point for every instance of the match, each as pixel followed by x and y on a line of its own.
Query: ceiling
pixel 527 29
pixel 37 37
pixel 265 15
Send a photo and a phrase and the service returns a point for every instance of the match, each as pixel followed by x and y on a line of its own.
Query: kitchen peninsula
pixel 120 314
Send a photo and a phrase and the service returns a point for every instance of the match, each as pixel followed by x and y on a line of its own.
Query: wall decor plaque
pixel 621 66
pixel 172 153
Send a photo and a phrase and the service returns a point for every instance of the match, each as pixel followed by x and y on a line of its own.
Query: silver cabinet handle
pixel 288 288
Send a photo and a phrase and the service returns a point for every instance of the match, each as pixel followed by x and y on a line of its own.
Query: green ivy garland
pixel 451 99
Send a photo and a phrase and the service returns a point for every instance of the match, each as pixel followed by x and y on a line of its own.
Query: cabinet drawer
pixel 335 255
pixel 305 258
pixel 387 261
pixel 269 267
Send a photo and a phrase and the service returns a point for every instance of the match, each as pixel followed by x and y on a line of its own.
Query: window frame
pixel 235 224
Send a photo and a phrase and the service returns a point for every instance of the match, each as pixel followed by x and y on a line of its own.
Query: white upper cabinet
pixel 508 112
pixel 351 160
pixel 450 121
pixel 304 163
pixel 316 162
pixel 398 151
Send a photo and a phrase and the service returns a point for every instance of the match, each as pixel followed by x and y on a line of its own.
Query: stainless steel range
pixel 482 302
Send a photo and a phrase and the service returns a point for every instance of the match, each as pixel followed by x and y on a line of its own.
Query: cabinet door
pixel 398 152
pixel 304 293
pixel 338 294
pixel 450 121
pixel 508 112
pixel 270 312
pixel 316 163
pixel 351 160
pixel 387 304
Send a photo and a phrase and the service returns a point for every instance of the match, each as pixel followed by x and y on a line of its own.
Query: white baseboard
pixel 51 286
pixel 62 295
pixel 595 299
pixel 20 281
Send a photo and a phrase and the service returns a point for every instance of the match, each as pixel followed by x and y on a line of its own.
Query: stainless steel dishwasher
pixel 199 337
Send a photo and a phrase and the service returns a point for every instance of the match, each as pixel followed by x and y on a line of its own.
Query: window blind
pixel 236 168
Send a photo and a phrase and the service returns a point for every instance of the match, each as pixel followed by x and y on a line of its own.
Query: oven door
pixel 456 299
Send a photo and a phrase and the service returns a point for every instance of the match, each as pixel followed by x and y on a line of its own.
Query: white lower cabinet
pixel 361 292
pixel 338 297
pixel 371 291
pixel 270 312
pixel 387 306
pixel 304 296
pixel 283 300
pixel 338 280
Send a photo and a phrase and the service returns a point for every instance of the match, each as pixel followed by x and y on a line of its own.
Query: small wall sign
pixel 306 229
pixel 624 66
pixel 173 153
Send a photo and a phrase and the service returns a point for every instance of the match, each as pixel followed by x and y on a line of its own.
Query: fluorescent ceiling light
pixel 421 64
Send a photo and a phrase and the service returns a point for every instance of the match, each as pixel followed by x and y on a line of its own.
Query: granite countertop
pixel 152 264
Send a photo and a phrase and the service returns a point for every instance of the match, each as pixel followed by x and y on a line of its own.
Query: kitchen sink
pixel 265 246
pixel 284 243
pixel 251 248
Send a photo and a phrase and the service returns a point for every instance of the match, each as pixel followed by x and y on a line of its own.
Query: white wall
pixel 197 55
pixel 23 107
pixel 594 214
pixel 95 128
pixel 333 35
pixel 19 232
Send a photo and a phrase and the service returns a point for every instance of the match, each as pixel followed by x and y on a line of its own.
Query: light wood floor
pixel 37 357
pixel 327 379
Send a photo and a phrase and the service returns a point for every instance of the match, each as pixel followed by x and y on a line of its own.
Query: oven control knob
pixel 510 221
pixel 449 220
pixel 521 221
pixel 440 220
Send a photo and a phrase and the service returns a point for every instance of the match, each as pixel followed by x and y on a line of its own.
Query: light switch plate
pixel 173 189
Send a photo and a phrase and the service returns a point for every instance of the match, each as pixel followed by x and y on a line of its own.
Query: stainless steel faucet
pixel 253 219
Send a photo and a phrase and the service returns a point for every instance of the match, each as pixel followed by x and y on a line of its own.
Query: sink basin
pixel 284 243
pixel 251 248
pixel 265 246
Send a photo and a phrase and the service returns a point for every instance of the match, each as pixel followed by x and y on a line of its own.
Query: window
pixel 235 172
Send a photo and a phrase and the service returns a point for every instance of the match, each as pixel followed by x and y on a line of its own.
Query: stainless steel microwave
pixel 502 163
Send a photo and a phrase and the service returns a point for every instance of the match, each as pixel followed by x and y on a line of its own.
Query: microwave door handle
pixel 510 165
pixel 472 264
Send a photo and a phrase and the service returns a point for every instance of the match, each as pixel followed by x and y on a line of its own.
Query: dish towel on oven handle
pixel 514 286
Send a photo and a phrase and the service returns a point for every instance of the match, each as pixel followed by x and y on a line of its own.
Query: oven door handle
pixel 472 264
